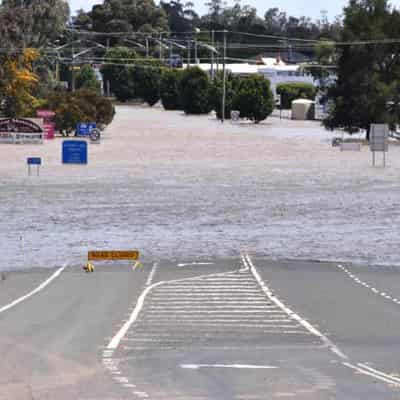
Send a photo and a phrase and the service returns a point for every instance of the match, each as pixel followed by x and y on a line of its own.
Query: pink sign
pixel 45 114
pixel 48 124
pixel 50 129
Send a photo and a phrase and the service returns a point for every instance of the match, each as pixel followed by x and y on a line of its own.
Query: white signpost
pixel 378 141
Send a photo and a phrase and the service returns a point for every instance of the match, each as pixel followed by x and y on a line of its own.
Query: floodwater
pixel 190 188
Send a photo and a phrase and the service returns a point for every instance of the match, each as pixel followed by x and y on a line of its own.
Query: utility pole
pixel 212 55
pixel 188 55
pixel 161 52
pixel 73 67
pixel 224 81
pixel 147 47
pixel 108 88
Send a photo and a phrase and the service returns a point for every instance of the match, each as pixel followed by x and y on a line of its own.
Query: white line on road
pixel 151 275
pixel 194 263
pixel 115 341
pixel 377 374
pixel 35 291
pixel 236 366
pixel 368 286
pixel 247 261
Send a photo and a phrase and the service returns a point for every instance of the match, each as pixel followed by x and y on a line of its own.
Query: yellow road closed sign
pixel 113 255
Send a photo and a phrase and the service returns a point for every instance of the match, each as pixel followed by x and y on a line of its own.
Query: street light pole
pixel 224 81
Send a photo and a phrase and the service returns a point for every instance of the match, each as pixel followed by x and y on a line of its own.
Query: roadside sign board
pixel 74 152
pixel 84 129
pixel 112 255
pixel 34 161
pixel 378 140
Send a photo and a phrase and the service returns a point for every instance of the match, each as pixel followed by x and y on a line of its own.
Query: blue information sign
pixel 34 161
pixel 84 129
pixel 74 152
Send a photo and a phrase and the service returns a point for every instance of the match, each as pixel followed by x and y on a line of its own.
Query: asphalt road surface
pixel 245 328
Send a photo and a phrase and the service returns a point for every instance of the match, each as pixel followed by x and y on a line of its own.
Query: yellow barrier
pixel 113 255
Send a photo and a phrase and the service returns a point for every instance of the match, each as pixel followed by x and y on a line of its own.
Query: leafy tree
pixel 17 84
pixel 119 70
pixel 295 90
pixel 368 76
pixel 128 16
pixel 32 23
pixel 181 17
pixel 86 79
pixel 254 98
pixel 195 91
pixel 169 89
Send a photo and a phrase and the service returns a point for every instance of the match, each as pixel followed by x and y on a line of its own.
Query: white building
pixel 273 69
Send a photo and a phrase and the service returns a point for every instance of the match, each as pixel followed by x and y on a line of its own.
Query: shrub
pixel 294 91
pixel 169 89
pixel 232 84
pixel 195 89
pixel 254 98
pixel 81 106
pixel 147 81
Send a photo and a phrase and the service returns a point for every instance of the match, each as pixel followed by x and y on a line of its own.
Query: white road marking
pixel 377 375
pixel 247 261
pixel 115 341
pixel 151 275
pixel 194 263
pixel 368 286
pixel 367 367
pixel 235 366
pixel 34 291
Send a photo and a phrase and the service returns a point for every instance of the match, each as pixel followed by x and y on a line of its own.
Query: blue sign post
pixel 34 161
pixel 84 129
pixel 74 152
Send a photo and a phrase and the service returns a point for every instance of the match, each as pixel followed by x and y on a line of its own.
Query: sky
pixel 292 7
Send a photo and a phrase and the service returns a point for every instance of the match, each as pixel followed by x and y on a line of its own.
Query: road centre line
pixel 235 366
pixel 368 286
pixel 248 262
pixel 34 291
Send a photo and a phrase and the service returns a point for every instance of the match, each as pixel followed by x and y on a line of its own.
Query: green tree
pixel 128 16
pixel 195 89
pixel 119 72
pixel 169 89
pixel 368 75
pixel 32 23
pixel 254 98
pixel 295 90
pixel 86 79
